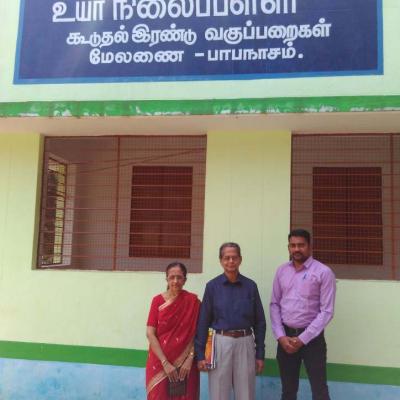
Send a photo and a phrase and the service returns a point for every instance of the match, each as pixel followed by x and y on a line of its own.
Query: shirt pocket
pixel 309 288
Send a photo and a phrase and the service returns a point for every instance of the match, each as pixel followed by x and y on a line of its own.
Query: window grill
pixel 130 203
pixel 347 215
pixel 161 211
pixel 346 191
pixel 54 213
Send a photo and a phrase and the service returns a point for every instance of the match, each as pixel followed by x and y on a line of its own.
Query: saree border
pixel 160 376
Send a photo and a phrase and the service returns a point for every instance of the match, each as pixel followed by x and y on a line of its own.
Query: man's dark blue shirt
pixel 230 306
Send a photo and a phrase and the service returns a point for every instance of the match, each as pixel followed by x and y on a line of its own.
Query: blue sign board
pixel 159 40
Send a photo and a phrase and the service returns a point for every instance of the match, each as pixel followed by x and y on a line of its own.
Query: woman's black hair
pixel 177 264
pixel 182 266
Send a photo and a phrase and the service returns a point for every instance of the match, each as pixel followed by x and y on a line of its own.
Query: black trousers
pixel 314 356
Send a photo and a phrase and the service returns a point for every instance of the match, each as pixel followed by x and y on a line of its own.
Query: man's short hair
pixel 300 233
pixel 229 244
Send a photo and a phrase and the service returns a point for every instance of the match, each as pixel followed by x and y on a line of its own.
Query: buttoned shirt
pixel 302 298
pixel 231 306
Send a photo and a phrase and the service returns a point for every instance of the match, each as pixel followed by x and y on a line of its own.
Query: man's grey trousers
pixel 235 369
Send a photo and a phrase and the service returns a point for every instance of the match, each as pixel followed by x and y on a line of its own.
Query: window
pixel 161 211
pixel 129 203
pixel 347 215
pixel 346 191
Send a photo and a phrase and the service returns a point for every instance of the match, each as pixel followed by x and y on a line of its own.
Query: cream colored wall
pixel 110 308
pixel 247 200
pixel 387 84
pixel 367 319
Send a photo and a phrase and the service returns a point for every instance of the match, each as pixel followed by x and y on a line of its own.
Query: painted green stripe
pixel 348 373
pixel 75 354
pixel 137 358
pixel 364 374
pixel 201 107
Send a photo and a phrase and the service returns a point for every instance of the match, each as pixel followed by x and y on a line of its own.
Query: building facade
pixel 107 173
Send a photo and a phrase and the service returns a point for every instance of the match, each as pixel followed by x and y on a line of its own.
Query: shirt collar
pixel 225 280
pixel 307 263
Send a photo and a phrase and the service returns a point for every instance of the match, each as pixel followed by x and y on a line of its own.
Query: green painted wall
pixel 247 200
pixel 385 85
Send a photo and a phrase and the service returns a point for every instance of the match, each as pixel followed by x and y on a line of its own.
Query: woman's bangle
pixel 191 354
pixel 163 362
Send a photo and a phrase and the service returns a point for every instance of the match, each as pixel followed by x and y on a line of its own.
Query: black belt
pixel 235 333
pixel 293 331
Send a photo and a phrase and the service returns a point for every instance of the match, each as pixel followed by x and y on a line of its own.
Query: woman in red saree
pixel 171 328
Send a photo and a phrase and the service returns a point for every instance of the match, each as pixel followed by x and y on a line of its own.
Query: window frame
pixel 359 149
pixel 191 148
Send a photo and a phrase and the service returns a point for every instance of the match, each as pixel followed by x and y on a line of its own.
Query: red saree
pixel 175 322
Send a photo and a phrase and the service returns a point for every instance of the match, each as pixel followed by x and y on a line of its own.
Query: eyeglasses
pixel 228 258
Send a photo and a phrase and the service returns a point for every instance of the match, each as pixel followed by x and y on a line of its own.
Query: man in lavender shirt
pixel 302 304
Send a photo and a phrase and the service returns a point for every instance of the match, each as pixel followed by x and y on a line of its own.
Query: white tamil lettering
pixel 141 33
pixel 249 31
pixel 121 36
pixel 233 35
pixel 98 10
pixel 151 9
pixel 322 29
pixel 122 10
pixel 178 8
pixel 274 53
pixel 268 6
pixel 250 54
pixel 59 11
pixel 91 10
pixel 278 6
pixel 237 54
pixel 123 57
pixel 212 55
pixel 212 34
pixel 224 54
pixel 94 56
pixel 239 7
pixel 224 10
pixel 207 8
pixel 289 52
pixel 262 53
